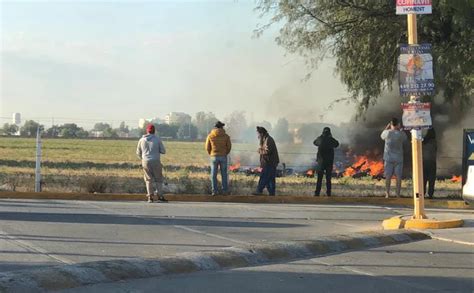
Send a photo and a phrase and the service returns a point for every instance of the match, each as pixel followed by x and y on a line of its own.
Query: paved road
pixel 425 266
pixel 44 232
pixel 37 233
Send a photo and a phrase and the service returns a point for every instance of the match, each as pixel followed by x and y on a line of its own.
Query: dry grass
pixel 70 165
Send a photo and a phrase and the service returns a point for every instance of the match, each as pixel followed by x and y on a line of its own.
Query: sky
pixel 112 61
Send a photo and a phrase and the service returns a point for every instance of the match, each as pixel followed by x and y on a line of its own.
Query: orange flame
pixel 310 173
pixel 235 167
pixel 456 179
pixel 364 164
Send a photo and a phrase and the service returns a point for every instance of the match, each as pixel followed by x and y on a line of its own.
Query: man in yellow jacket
pixel 218 146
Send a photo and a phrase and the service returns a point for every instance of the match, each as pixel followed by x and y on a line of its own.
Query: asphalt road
pixel 425 266
pixel 35 233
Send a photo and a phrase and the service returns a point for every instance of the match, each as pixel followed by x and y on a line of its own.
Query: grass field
pixel 73 165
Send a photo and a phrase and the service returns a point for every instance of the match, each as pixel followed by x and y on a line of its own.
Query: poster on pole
pixel 415 70
pixel 414 7
pixel 416 115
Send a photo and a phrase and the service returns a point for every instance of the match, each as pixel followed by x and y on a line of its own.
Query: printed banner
pixel 416 115
pixel 415 70
pixel 413 6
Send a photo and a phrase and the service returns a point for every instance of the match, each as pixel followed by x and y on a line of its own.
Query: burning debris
pixel 364 166
pixel 456 179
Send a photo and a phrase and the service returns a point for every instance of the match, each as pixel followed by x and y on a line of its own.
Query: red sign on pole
pixel 413 6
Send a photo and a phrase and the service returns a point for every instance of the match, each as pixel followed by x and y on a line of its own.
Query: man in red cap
pixel 149 149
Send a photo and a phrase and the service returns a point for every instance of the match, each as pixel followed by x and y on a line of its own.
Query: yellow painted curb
pixel 433 224
pixel 296 199
pixel 398 222
pixel 393 223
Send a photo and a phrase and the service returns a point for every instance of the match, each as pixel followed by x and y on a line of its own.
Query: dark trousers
pixel 267 179
pixel 328 170
pixel 429 176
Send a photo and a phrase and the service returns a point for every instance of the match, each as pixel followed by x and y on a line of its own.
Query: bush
pixel 94 184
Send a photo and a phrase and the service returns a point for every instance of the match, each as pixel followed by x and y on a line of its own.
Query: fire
pixel 310 173
pixel 365 164
pixel 456 179
pixel 235 167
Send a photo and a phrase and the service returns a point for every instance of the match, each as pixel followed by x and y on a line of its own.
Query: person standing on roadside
pixel 149 149
pixel 268 162
pixel 394 138
pixel 325 159
pixel 218 146
pixel 429 161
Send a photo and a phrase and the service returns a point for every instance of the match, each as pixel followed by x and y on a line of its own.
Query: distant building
pixel 144 121
pixel 177 118
pixel 16 119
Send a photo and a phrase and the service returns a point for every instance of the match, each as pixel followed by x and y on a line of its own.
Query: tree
pixel 106 129
pixel 123 128
pixel 363 36
pixel 30 128
pixel 281 131
pixel 236 124
pixel 187 131
pixel 10 129
pixel 165 130
pixel 70 130
pixel 204 122
pixel 53 131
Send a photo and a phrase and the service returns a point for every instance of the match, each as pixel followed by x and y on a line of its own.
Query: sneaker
pixel 213 194
pixel 316 194
pixel 150 200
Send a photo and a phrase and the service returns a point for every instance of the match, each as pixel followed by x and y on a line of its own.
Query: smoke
pixel 449 120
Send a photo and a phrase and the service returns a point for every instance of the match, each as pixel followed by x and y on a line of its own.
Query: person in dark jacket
pixel 429 161
pixel 325 159
pixel 268 162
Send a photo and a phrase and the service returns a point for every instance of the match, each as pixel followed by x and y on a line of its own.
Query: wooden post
pixel 416 140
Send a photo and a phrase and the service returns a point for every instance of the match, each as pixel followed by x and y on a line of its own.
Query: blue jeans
pixel 216 162
pixel 267 179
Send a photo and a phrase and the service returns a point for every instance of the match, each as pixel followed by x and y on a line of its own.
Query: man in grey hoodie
pixel 149 149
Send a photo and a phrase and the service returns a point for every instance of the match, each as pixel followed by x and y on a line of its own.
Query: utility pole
pixel 38 161
pixel 416 139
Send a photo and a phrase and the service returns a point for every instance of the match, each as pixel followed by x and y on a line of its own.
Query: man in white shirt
pixel 393 154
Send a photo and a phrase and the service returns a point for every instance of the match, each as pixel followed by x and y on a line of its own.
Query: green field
pixel 74 165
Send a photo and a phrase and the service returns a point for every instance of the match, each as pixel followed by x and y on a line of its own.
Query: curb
pixel 295 199
pixel 78 275
pixel 406 222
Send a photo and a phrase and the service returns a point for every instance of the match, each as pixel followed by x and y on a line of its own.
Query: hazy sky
pixel 124 60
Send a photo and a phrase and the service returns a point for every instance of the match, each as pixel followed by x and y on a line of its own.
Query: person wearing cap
pixel 149 149
pixel 394 138
pixel 268 162
pixel 325 159
pixel 218 146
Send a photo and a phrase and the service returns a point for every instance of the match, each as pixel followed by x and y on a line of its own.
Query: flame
pixel 310 173
pixel 456 179
pixel 235 167
pixel 365 164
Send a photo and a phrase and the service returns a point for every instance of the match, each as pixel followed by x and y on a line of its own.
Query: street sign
pixel 416 115
pixel 413 6
pixel 415 70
